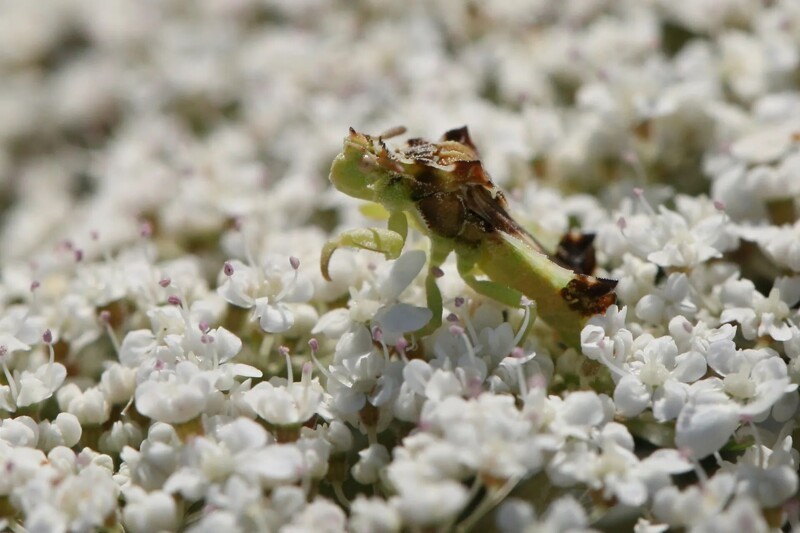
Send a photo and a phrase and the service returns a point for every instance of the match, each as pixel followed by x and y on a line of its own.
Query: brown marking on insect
pixel 588 295
pixel 490 205
pixel 460 135
pixel 421 152
pixel 444 213
pixel 575 251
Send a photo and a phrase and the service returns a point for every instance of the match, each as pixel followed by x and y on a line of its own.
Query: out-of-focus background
pixel 188 114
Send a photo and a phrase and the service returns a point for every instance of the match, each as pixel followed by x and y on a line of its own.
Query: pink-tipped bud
pixel 174 300
pixel 206 339
pixel 294 261
pixel 94 235
pixel 35 285
pixel 638 191
pixel 203 326
pixel 165 282
pixel 145 230
pixel 227 269
pixel 719 205
pixel 105 316
pixel 78 255
pixel 313 344
pixel 537 381
pixel 622 223
pixel 401 345
pixel 517 353
pixel 283 350
pixel 456 330
pixel 377 334
pixel 47 337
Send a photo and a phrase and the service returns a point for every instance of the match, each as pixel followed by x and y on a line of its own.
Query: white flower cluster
pixel 171 357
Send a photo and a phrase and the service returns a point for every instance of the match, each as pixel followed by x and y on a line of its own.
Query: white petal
pixel 402 317
pixel 333 324
pixel 668 400
pixel 277 464
pixel 400 275
pixel 416 375
pixel 786 407
pixel 441 385
pixel 582 408
pixel 691 367
pixel 703 429
pixel 240 369
pixel 650 308
pixel 668 461
pixel 275 318
pixel 631 396
pixel 226 344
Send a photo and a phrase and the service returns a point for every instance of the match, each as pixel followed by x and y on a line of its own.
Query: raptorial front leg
pixel 398 223
pixel 440 249
pixel 496 291
pixel 385 241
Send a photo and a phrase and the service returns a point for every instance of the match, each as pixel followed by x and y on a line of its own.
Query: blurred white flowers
pixel 172 359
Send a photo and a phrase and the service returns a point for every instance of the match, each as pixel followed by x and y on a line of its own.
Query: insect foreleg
pixel 398 223
pixel 389 243
pixel 440 249
pixel 496 291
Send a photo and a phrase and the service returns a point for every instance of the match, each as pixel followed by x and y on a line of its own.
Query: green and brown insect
pixel 446 192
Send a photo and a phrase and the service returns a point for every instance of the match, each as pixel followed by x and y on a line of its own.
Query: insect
pixel 443 189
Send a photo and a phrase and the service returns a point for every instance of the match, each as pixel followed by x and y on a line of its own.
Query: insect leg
pixel 398 223
pixel 440 249
pixel 385 241
pixel 496 291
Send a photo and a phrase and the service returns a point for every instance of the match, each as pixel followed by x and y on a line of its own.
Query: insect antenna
pixel 392 132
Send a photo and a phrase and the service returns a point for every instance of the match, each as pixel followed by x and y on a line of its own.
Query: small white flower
pixel 154 511
pixel 154 461
pixel 707 420
pixel 267 289
pixel 657 376
pixel 89 406
pixel 20 432
pixel 694 234
pixel 370 462
pixel 65 430
pixel 377 302
pixel 697 503
pixel 369 515
pixel 663 304
pixel 759 316
pixel 175 396
pixel 319 515
pixel 286 405
pixel 768 476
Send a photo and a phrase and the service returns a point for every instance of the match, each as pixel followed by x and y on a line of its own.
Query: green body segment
pixel 509 261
